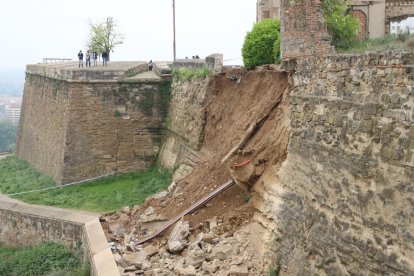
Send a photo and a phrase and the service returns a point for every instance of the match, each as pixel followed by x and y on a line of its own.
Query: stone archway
pixel 362 18
pixel 397 10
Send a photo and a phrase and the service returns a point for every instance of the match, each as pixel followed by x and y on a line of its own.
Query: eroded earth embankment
pixel 235 108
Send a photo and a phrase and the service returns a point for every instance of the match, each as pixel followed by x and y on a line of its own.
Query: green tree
pixel 342 25
pixel 262 44
pixel 7 136
pixel 104 36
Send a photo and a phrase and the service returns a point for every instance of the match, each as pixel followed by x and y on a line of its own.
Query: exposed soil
pixel 230 109
pixel 252 112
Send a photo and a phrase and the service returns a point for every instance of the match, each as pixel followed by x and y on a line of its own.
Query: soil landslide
pixel 247 114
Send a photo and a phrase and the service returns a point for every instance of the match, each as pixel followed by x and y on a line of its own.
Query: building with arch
pixel 374 16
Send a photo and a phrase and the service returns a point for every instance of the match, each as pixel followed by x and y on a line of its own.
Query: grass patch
pixel 107 194
pixel 17 176
pixel 45 259
pixel 187 74
pixel 385 43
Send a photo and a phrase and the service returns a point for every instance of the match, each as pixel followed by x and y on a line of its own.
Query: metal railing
pixel 55 60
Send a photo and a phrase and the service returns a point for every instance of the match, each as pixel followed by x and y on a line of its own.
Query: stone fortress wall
pixel 343 199
pixel 347 184
pixel 79 124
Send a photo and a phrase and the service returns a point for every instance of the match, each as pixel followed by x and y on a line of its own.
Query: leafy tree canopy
pixel 340 23
pixel 262 44
pixel 104 36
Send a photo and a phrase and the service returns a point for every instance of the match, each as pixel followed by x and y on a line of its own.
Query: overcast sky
pixel 31 30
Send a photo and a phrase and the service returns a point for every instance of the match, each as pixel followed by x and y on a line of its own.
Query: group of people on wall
pixel 94 56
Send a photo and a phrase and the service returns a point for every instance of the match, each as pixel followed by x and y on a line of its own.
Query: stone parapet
pixel 214 61
pixel 69 71
pixel 189 63
pixel 162 68
pixel 30 225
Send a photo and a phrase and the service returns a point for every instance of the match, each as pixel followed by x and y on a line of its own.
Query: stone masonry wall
pixel 303 30
pixel 346 196
pixel 186 122
pixel 114 127
pixel 75 130
pixel 31 225
pixel 43 122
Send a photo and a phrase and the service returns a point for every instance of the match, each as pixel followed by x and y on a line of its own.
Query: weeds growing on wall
pixel 158 99
pixel 107 194
pixel 340 23
pixel 187 74
pixel 385 43
pixel 46 259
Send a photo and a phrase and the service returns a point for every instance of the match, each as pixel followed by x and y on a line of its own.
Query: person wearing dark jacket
pixel 104 58
pixel 150 65
pixel 80 56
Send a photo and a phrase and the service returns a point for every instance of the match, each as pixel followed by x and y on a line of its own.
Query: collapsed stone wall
pixel 74 130
pixel 344 203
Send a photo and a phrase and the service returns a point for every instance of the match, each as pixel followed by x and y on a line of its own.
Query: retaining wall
pixel 29 225
pixel 185 123
pixel 345 204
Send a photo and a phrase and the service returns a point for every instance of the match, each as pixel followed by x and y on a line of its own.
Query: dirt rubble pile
pixel 216 247
pixel 249 113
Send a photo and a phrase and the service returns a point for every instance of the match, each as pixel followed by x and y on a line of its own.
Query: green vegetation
pixel 117 114
pixel 385 43
pixel 102 195
pixel 7 136
pixel 104 36
pixel 45 259
pixel 187 74
pixel 262 44
pixel 156 99
pixel 342 25
pixel 273 271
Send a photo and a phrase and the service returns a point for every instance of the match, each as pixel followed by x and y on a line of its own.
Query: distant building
pixel 12 112
pixel 374 17
pixel 10 109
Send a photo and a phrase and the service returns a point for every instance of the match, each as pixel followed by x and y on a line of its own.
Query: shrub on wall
pixel 262 44
pixel 342 25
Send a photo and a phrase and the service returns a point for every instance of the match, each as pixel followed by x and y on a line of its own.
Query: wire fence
pixel 59 187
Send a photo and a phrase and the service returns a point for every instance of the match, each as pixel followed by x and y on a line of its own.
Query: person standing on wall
pixel 104 58
pixel 95 58
pixel 80 56
pixel 150 65
pixel 88 58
